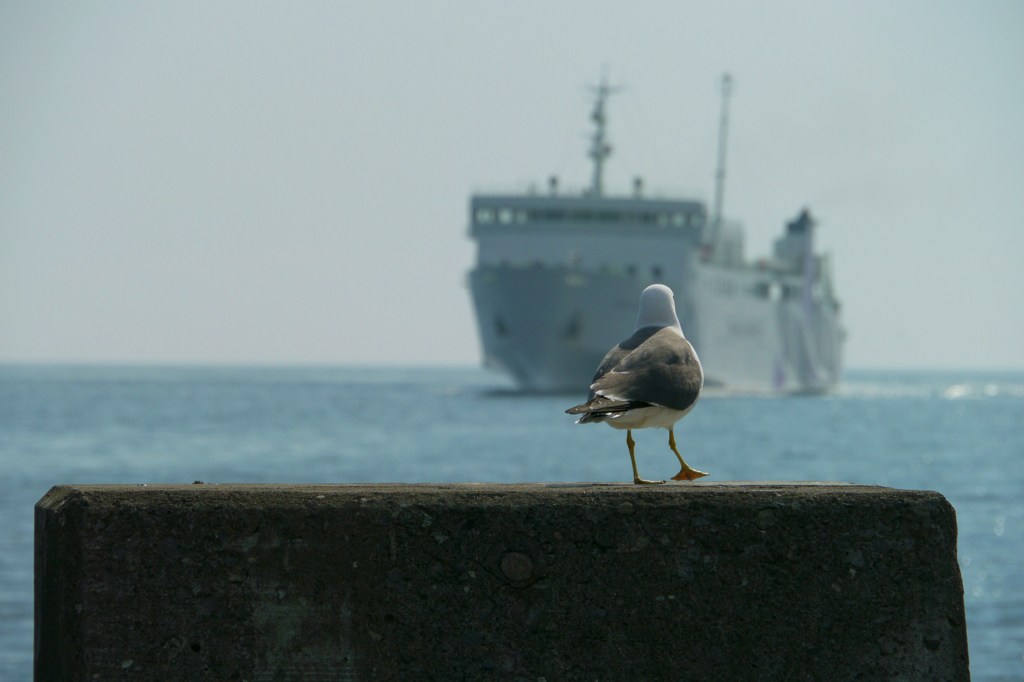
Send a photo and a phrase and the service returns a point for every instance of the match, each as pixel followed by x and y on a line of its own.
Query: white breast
pixel 654 417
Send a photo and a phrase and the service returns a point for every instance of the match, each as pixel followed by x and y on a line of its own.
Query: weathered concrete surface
pixel 561 582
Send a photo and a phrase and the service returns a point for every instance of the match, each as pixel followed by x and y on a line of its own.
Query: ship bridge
pixel 584 231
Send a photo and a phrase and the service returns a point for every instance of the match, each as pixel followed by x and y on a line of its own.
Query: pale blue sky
pixel 287 182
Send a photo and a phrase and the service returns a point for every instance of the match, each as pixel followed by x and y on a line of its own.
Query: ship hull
pixel 750 341
pixel 548 327
pixel 538 324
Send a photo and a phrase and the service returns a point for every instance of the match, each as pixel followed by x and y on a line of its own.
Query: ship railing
pixel 664 193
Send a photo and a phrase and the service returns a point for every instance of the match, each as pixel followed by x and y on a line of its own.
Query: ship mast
pixel 723 128
pixel 600 148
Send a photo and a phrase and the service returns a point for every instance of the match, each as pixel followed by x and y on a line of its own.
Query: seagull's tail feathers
pixel 600 408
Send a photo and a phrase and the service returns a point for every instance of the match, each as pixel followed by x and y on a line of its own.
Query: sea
pixel 958 433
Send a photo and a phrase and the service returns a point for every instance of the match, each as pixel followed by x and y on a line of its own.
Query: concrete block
pixel 520 582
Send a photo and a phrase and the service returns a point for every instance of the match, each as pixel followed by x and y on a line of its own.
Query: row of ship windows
pixel 769 290
pixel 772 291
pixel 509 216
pixel 631 270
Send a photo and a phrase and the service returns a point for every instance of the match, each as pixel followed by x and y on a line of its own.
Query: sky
pixel 256 182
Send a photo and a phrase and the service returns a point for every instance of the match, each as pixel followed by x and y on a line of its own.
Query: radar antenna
pixel 600 148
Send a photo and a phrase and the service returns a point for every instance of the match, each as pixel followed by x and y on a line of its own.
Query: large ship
pixel 558 276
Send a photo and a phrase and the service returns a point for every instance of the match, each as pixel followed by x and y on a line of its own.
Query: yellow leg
pixel 686 472
pixel 632 456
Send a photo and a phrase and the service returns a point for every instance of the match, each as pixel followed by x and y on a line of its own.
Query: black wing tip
pixel 604 408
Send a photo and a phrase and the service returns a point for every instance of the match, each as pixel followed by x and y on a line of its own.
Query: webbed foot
pixel 689 474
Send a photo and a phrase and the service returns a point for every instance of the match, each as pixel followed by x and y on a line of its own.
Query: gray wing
pixel 598 408
pixel 662 370
pixel 619 352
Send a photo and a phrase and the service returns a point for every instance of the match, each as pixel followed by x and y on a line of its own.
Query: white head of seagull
pixel 657 308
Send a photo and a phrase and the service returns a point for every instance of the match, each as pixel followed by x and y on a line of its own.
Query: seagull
pixel 651 380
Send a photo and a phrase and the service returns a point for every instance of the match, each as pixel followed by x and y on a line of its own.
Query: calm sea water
pixel 961 434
